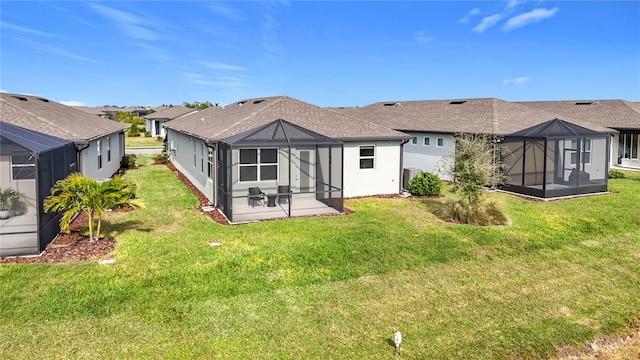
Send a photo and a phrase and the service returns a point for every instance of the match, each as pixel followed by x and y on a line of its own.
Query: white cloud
pixel 513 3
pixel 519 80
pixel 57 50
pixel 223 10
pixel 488 22
pixel 465 20
pixel 222 66
pixel 530 17
pixel 421 37
pixel 3 91
pixel 131 25
pixel 26 31
pixel 73 103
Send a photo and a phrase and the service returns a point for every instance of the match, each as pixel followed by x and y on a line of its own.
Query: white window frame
pixel 18 168
pixel 109 150
pixel 574 148
pixel 366 157
pixel 195 155
pixel 414 140
pixel 209 163
pixel 259 164
pixel 99 151
pixel 426 141
pixel 439 142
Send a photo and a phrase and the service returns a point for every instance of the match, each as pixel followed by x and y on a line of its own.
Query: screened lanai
pixel 30 163
pixel 279 170
pixel 554 159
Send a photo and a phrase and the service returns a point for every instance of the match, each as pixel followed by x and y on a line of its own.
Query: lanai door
pixel 305 172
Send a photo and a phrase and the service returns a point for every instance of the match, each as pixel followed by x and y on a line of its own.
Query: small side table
pixel 271 200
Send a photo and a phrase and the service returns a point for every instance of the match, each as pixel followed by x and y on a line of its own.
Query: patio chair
pixel 284 193
pixel 256 196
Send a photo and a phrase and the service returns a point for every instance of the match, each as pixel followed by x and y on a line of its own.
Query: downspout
pixel 79 151
pixel 402 143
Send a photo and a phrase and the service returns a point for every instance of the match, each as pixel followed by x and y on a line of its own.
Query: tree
pixel 78 193
pixel 474 166
pixel 198 105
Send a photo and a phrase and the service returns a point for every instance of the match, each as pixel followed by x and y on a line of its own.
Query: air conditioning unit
pixel 407 175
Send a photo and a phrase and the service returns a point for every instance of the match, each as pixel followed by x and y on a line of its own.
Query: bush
pixel 159 138
pixel 162 158
pixel 425 183
pixel 147 134
pixel 615 174
pixel 128 161
pixel 480 215
pixel 133 134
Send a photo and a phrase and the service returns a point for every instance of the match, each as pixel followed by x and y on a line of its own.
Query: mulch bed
pixel 69 247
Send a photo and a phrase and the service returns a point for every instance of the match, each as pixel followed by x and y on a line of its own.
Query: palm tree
pixel 78 193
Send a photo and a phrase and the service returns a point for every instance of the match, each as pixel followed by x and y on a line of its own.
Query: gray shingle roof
pixel 220 123
pixel 617 114
pixel 52 118
pixel 485 115
pixel 170 112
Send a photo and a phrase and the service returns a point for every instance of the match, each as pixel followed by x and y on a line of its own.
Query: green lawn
pixel 334 287
pixel 142 141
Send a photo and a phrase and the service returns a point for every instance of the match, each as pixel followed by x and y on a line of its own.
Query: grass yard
pixel 337 287
pixel 142 141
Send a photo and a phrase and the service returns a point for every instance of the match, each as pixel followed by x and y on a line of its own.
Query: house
pixel 620 115
pixel 433 123
pixel 155 120
pixel 30 164
pixel 99 143
pixel 306 157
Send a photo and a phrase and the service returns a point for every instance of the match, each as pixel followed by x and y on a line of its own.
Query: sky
pixel 328 53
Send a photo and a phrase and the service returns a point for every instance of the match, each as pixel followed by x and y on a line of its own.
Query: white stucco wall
pixel 429 157
pixel 384 178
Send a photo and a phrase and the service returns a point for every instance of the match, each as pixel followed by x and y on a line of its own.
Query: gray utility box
pixel 407 175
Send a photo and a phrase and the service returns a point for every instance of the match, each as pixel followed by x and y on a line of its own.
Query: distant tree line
pixel 199 105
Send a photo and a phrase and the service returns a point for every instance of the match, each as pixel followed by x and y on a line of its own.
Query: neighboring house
pixel 99 143
pixel 155 120
pixel 433 123
pixel 30 164
pixel 305 157
pixel 621 115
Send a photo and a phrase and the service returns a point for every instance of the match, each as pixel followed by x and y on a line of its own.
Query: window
pixel 202 158
pixel 195 156
pixel 440 142
pixel 426 141
pixel 109 149
pixel 23 167
pixel 210 163
pixel 367 157
pixel 99 150
pixel 586 151
pixel 258 164
pixel 414 140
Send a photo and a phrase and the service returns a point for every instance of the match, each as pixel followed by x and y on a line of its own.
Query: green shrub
pixel 162 158
pixel 128 161
pixel 159 138
pixel 615 174
pixel 147 134
pixel 425 183
pixel 485 214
